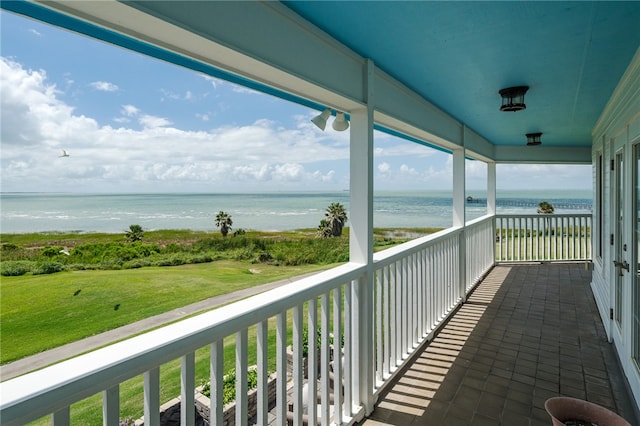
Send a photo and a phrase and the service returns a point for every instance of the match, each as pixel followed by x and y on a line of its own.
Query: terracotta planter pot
pixel 578 412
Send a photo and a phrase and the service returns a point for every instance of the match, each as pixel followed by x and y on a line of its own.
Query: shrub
pixel 15 268
pixel 51 251
pixel 9 247
pixel 229 385
pixel 136 263
pixel 43 268
pixel 173 260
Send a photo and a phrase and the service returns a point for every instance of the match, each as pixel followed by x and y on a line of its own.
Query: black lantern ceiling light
pixel 533 139
pixel 513 98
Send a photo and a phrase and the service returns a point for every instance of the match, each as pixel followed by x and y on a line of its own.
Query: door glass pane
pixel 619 237
pixel 635 305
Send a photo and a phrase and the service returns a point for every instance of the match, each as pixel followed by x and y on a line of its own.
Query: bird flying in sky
pixel 64 154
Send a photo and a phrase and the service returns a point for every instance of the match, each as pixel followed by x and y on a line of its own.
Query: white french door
pixel 635 296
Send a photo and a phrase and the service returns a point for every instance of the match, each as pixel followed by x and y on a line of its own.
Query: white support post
pixel 312 360
pixel 61 417
pixel 262 358
pixel 281 368
pixel 152 396
pixel 459 200
pixel 216 384
pixel 491 202
pixel 241 377
pixel 187 386
pixel 111 406
pixel 491 189
pixel 298 375
pixel 361 242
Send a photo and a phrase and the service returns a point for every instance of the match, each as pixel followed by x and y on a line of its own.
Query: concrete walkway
pixel 52 356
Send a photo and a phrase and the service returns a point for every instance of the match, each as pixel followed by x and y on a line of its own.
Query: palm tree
pixel 323 231
pixel 545 207
pixel 135 233
pixel 336 217
pixel 224 222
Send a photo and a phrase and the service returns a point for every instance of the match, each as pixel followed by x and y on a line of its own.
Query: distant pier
pixel 507 202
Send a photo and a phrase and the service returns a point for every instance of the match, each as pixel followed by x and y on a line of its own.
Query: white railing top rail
pixel 395 253
pixel 479 220
pixel 542 216
pixel 45 391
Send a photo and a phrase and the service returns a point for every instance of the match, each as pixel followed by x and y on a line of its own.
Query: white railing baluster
pixel 262 351
pixel 324 360
pixel 241 378
pixel 398 308
pixel 348 351
pixel 312 360
pixel 61 417
pixel 281 367
pixel 379 319
pixel 187 386
pixel 298 377
pixel 216 366
pixel 152 396
pixel 111 406
pixel 337 356
pixel 388 309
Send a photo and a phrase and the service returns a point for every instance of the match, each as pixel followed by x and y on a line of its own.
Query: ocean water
pixel 114 213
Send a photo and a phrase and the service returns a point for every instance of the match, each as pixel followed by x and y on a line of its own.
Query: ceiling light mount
pixel 533 139
pixel 513 98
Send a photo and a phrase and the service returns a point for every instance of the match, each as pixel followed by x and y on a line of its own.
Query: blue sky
pixel 131 123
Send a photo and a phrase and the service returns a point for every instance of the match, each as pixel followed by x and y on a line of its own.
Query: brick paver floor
pixel 527 333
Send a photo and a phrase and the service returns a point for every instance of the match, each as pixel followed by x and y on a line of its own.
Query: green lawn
pixel 40 312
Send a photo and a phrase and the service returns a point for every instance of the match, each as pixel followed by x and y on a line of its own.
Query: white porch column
pixel 491 188
pixel 361 244
pixel 459 200
pixel 491 201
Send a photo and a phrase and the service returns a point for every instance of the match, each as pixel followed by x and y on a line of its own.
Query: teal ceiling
pixel 459 54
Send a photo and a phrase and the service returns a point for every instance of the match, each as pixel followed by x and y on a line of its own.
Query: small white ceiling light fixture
pixel 340 123
pixel 321 120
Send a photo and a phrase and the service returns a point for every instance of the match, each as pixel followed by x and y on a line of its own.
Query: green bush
pixel 7 247
pixel 229 385
pixel 173 260
pixel 15 268
pixel 51 251
pixel 136 263
pixel 42 268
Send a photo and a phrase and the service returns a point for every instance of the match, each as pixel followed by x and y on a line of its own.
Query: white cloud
pixel 187 96
pixel 384 167
pixel 203 117
pixel 35 32
pixel 37 124
pixel 104 86
pixel 214 81
pixel 151 121
pixel 129 110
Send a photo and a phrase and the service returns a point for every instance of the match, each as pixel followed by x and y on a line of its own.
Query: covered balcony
pixel 440 328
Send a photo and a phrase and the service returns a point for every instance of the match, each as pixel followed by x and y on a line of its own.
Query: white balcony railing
pixel 411 290
pixel 552 237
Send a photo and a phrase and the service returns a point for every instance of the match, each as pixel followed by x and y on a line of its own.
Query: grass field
pixel 40 312
pixel 45 311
